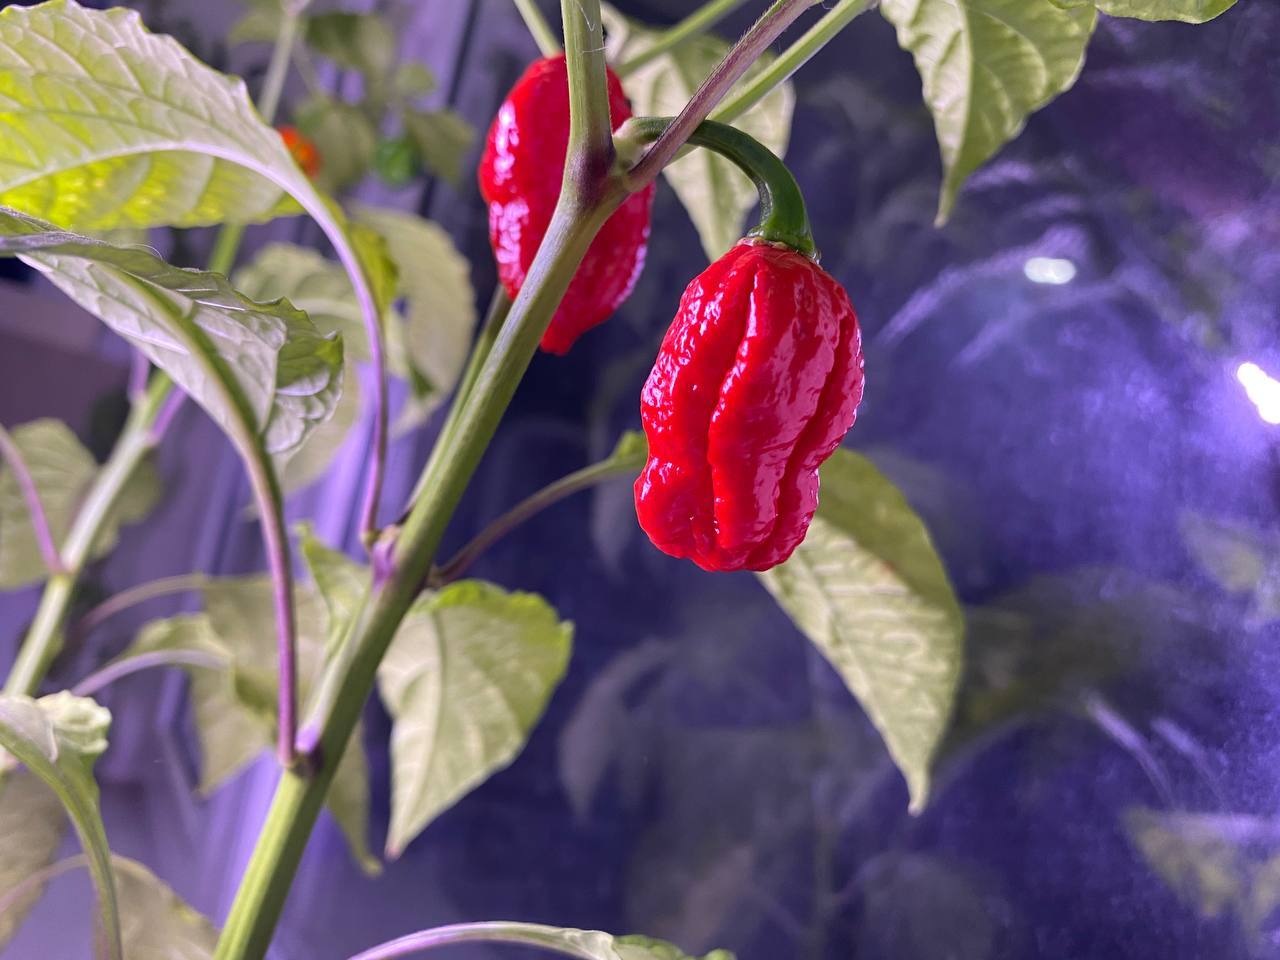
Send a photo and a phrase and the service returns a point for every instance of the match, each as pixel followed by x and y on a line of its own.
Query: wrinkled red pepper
pixel 520 176
pixel 758 379
pixel 304 152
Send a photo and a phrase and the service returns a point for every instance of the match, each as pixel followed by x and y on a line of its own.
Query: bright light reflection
pixel 1049 270
pixel 1262 389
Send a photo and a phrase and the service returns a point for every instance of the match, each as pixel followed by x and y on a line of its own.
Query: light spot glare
pixel 1052 270
pixel 1262 389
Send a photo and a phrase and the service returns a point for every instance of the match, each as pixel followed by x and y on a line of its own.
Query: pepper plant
pixel 109 128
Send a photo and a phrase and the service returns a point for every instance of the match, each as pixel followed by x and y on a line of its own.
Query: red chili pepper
pixel 305 154
pixel 520 176
pixel 758 379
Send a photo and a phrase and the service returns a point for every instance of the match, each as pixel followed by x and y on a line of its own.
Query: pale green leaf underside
pixel 256 368
pixel 321 288
pixel 867 587
pixel 1187 11
pixel 157 924
pixel 58 738
pixel 714 192
pixel 1216 863
pixel 1233 555
pixel 63 470
pixel 429 348
pixel 32 822
pixel 235 708
pixel 985 66
pixel 466 678
pixel 106 124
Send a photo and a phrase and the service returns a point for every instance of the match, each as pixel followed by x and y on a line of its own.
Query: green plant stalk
pixel 546 39
pixel 588 197
pixel 44 639
pixel 792 59
pixel 691 26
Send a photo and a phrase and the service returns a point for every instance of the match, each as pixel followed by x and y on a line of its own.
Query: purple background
pixel 1039 430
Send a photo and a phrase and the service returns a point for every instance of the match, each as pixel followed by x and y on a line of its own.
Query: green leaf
pixel 1187 11
pixel 1235 556
pixel 32 823
pixel 63 471
pixel 341 583
pixel 262 371
pixel 354 41
pixel 58 738
pixel 430 348
pixel 1215 862
pixel 235 709
pixel 260 24
pixel 156 923
pixel 109 125
pixel 467 676
pixel 230 735
pixel 322 289
pixel 395 161
pixel 441 138
pixel 344 137
pixel 410 80
pixel 1239 558
pixel 867 587
pixel 715 193
pixel 985 66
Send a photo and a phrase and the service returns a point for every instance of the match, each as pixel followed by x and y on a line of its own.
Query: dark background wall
pixel 1051 436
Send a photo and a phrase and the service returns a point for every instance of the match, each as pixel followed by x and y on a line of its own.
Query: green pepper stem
pixel 783 217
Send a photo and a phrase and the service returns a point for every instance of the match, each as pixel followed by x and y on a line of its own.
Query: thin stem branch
pixel 139 372
pixel 172 404
pixel 145 661
pixel 691 26
pixel 535 503
pixel 792 59
pixel 12 455
pixel 729 71
pixel 151 590
pixel 38 879
pixel 522 934
pixel 275 540
pixel 44 638
pixel 546 39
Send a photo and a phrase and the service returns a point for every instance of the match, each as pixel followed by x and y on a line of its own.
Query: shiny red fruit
pixel 758 379
pixel 304 152
pixel 520 176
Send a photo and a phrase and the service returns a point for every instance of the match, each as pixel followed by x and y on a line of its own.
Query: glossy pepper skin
pixel 304 152
pixel 756 382
pixel 520 176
